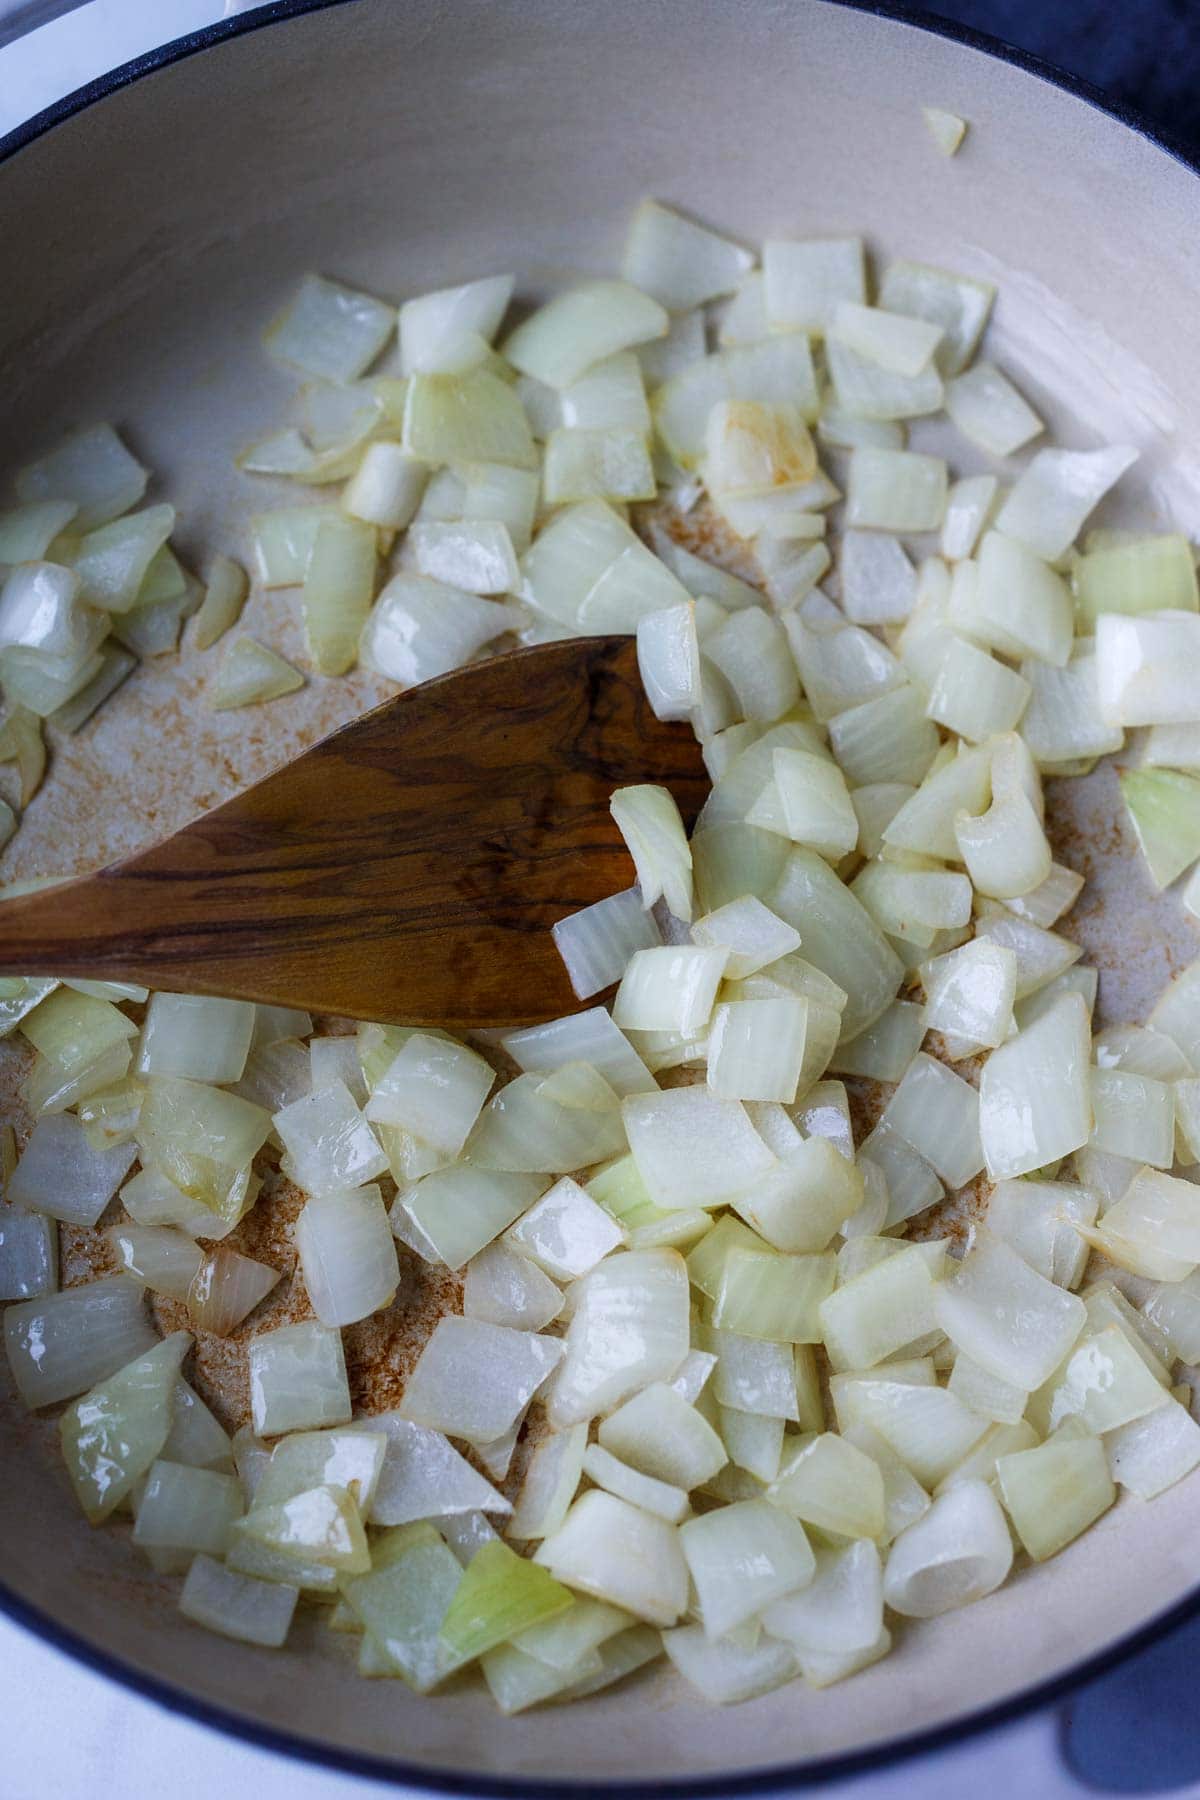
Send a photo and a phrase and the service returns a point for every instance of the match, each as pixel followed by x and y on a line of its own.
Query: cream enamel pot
pixel 151 223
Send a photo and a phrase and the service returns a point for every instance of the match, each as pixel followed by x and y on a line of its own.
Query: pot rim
pixel 765 1781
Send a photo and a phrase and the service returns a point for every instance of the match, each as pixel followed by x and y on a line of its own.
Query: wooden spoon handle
pixel 407 868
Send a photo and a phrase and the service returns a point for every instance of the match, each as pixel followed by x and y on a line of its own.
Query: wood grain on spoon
pixel 408 868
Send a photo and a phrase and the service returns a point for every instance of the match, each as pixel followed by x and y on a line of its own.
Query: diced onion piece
pixel 164 1259
pixel 1104 1383
pixel 564 338
pixel 1042 956
pixel 1020 607
pixel 680 263
pixel 1150 1454
pixel 297 1379
pixel 1034 1097
pixel 196 1438
pixel 669 661
pixel 339 583
pixel 989 410
pixel 958 303
pixel 113 1434
pixel 237 1606
pixel 991 1396
pixel 648 819
pixel 968 509
pixel 1055 1491
pixel 693 1148
pixel 1134 1116
pixel 565 1232
pixel 433 326
pixel 1177 1013
pixel 925 824
pixel 884 1050
pixel 839 936
pixel 473 1379
pixel 1158 1214
pixel 804 282
pixel 929 1429
pixel 329 330
pixel 185 1508
pixel 829 1483
pixel 1012 1321
pixel 402 1602
pixel 608 464
pixel 422 1474
pixel 896 341
pixel 937 1112
pixel 60 1174
pixel 21 742
pixel 750 931
pixel 1164 809
pixel 741 1558
pixel 251 673
pixel 766 1295
pixel 1063 722
pixel 879 1312
pixel 629 1326
pixel 588 1037
pixel 469 417
pixel 522 1128
pixel 321 1524
pixel 755 1444
pixel 1151 574
pixel 751 652
pixel 499 1596
pixel 957 1553
pixel 974 695
pixel 27 532
pixel 756 1049
pixel 508 1289
pixel 895 490
pixel 725 1671
pixel 224 598
pixel 194 1036
pixel 420 628
pixel 347 1255
pixel 328 1141
pixel 913 905
pixel 113 559
pixel 1056 492
pixel 91 468
pixel 612 1550
pixel 661 1435
pixel 840 1612
pixel 644 1491
pixel 1005 849
pixel 969 993
pixel 434 1087
pixel 28 1254
pixel 945 128
pixel 777 371
pixel 865 388
pixel 750 446
pixel 879 584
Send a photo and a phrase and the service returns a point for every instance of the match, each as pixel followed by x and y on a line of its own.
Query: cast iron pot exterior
pixel 152 230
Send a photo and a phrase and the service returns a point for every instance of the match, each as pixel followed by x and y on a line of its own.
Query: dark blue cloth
pixel 1138 1729
pixel 1146 53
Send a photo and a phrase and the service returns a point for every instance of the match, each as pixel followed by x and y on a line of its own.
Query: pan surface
pixel 157 226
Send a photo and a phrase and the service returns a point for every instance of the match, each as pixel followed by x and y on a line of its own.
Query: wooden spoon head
pixel 408 868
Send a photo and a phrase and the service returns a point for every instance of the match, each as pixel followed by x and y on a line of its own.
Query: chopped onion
pixel 421 628
pixel 328 1141
pixel 777 371
pixel 196 1437
pixel 679 262
pixel 507 1289
pixel 297 1379
pixel 929 1429
pixel 522 1128
pixel 1009 1319
pixel 616 1552
pixel 1150 1454
pixel 433 326
pixel 473 1379
pixel 989 410
pixel 766 1295
pixel 754 1443
pixel 1055 1491
pixel 558 343
pixel 597 942
pixel 741 1558
pixel 184 1508
pixel 974 695
pixel 60 1174
pixel 237 1606
pixel 958 303
pixel 113 1434
pixel 895 490
pixel 878 1313
pixel 693 1148
pixel 565 1232
pixel 804 282
pixel 629 1326
pixel 839 937
pixel 648 819
pixel 224 598
pixel 1104 1383
pixel 251 673
pixel 329 330
pixel 422 1473
pixel 958 1552
pixel 937 1113
pixel 829 1483
pixel 163 1258
pixel 1056 492
pixel 435 1088
pixel 402 1602
pixel 1149 574
pixel 840 668
pixel 347 1255
pixel 1034 1097
pixel 93 470
pixel 322 1525
pixel 472 416
pixel 204 1039
pixel 669 661
pixel 28 1254
pixel 1062 721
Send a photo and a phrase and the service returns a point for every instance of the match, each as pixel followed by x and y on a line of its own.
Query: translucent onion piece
pixel 186 1508
pixel 433 326
pixel 958 1552
pixel 750 931
pixel 777 371
pixel 929 1429
pixel 1134 1116
pixel 741 1558
pixel 616 1552
pixel 969 994
pixel 402 1603
pixel 60 1174
pixel 1150 1454
pixel 347 1255
pixel 629 1326
pixel 322 1524
pixel 203 1039
pixel 878 1312
pixel 680 263
pixel 840 1612
pixel 163 1258
pixel 251 673
pixel 1056 492
pixel 1034 1096
pixel 888 738
pixel 466 1534
pixel 753 1376
pixel 1042 956
pixel 661 1434
pixel 499 1596
pixel 581 327
pixel 937 1112
pixel 1151 574
pixel 895 490
pixel 839 936
pixel 974 695
pixel 840 668
pixel 421 628
pixel 523 1129
pixel 1104 1383
pixel 648 820
pixel 91 468
pixel 1038 1220
pixel 21 742
pixel 754 1443
pixel 113 1434
pixel 1055 1491
pixel 669 661
pixel 297 1379
pixel 237 1606
pixel 423 1475
pixel 991 1396
pixel 73 1029
pixel 1164 809
pixel 692 1148
pixel 804 282
pixel 565 1232
pixel 773 1297
pixel 750 650
pixel 473 1379
pixel 224 598
pixel 989 410
pixel 958 303
pixel 896 341
pixel 551 1478
pixel 1159 1213
pixel 434 1087
pixel 507 1289
pixel 968 510
pixel 724 1671
pixel 329 330
pixel 196 1438
pixel 589 1038
pixel 597 942
pixel 328 1141
pixel 28 1254
pixel 27 532
pixel 283 542
pixel 1008 1318
pixel 1173 1309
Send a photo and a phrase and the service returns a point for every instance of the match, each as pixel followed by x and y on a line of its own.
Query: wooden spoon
pixel 407 868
